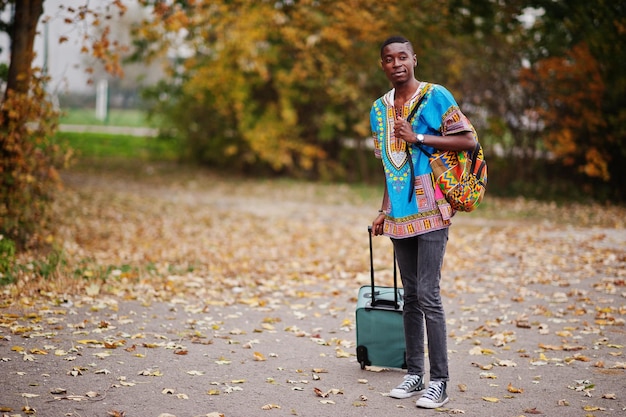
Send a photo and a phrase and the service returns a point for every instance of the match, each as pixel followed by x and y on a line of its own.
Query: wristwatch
pixel 420 138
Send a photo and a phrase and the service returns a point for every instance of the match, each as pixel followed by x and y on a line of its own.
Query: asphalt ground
pixel 535 322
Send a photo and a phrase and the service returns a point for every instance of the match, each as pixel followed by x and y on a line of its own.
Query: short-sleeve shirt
pixel 439 115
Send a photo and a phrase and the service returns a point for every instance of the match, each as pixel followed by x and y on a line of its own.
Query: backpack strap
pixel 408 146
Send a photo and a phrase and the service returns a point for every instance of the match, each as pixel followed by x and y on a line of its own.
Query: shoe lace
pixel 409 382
pixel 434 391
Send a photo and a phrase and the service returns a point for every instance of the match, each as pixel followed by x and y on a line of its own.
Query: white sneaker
pixel 412 384
pixel 435 396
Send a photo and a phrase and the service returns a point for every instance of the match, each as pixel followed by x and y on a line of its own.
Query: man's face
pixel 398 61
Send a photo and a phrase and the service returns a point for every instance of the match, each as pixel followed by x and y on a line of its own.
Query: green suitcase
pixel 379 325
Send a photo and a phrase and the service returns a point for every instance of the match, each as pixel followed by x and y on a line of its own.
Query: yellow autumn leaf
pixel 89 342
pixel 28 410
pixel 340 353
pixel 591 408
pixel 491 399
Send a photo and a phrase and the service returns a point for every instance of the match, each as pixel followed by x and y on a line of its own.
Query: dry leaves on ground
pixel 208 246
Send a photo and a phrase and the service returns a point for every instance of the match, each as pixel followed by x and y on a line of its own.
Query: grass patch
pixel 102 145
pixel 116 117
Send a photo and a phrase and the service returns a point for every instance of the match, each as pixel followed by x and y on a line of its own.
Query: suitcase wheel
pixel 361 356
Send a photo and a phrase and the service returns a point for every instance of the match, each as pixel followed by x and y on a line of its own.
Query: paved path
pixel 116 130
pixel 535 318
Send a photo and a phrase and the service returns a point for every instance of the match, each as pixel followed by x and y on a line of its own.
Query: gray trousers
pixel 420 259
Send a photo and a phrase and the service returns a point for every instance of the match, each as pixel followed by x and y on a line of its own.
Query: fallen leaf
pixel 491 399
pixel 320 393
pixel 195 373
pixel 593 408
pixel 340 353
pixel 58 391
pixel 29 410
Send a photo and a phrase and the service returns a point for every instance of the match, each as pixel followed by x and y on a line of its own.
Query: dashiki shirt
pixel 439 115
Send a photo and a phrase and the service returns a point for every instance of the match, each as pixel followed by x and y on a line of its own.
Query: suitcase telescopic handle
pixel 395 277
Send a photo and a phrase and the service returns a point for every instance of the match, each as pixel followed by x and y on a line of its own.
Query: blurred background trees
pixel 284 87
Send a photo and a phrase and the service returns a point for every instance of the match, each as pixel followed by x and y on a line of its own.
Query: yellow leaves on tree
pixel 273 73
pixel 571 90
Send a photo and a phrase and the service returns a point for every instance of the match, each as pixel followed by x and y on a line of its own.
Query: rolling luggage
pixel 379 325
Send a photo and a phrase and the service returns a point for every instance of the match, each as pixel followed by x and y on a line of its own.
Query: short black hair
pixel 396 39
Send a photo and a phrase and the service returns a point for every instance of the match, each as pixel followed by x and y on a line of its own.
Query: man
pixel 414 213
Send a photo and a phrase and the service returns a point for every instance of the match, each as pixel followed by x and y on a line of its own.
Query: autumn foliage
pixel 570 92
pixel 29 164
pixel 284 87
pixel 271 84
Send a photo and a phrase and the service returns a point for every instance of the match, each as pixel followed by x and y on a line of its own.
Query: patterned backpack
pixel 461 175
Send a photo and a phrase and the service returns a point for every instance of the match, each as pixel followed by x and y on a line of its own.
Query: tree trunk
pixel 27 13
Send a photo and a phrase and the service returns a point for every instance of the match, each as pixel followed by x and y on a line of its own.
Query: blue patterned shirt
pixel 438 115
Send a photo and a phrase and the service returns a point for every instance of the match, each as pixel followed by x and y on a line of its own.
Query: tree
pixel 573 117
pixel 578 69
pixel 274 84
pixel 29 159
